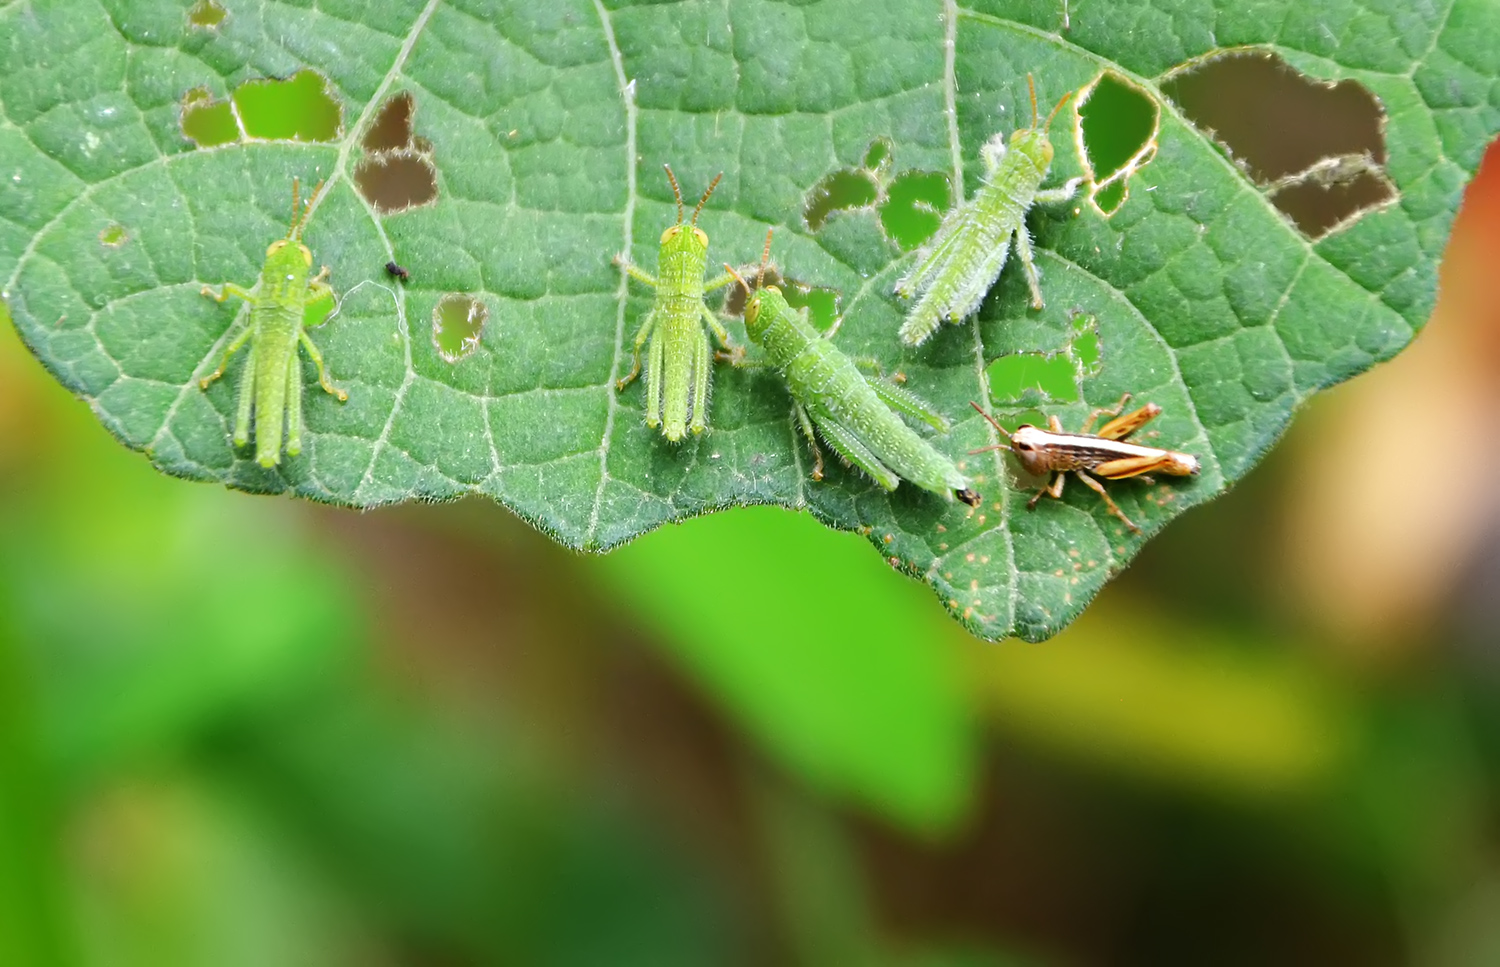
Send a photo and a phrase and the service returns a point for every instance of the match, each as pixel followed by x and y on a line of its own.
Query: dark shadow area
pixel 392 128
pixel 1318 148
pixel 394 182
pixel 398 172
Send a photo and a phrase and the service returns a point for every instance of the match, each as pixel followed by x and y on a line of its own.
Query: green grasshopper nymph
pixel 851 411
pixel 272 384
pixel 955 270
pixel 681 358
pixel 1104 454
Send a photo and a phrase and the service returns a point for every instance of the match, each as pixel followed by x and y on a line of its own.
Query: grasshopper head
pixel 1027 443
pixel 282 243
pixel 755 326
pixel 674 232
pixel 755 323
pixel 1032 143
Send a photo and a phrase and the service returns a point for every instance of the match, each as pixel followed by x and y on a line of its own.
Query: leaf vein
pixel 622 291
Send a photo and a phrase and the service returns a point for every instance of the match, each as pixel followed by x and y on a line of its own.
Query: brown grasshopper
pixel 1105 454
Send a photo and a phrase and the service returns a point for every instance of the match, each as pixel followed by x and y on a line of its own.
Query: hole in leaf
pixel 850 189
pixel 914 207
pixel 840 191
pixel 1317 148
pixel 1118 125
pixel 1319 207
pixel 391 129
pixel 113 235
pixel 299 108
pixel 316 312
pixel 878 155
pixel 207 122
pixel 1032 378
pixel 1084 346
pixel 457 325
pixel 738 295
pixel 1036 378
pixel 206 15
pixel 398 173
pixel 822 304
pixel 395 181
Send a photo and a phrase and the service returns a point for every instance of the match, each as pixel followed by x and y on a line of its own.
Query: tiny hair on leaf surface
pixel 1205 299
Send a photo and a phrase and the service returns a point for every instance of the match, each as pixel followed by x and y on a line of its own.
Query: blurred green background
pixel 426 735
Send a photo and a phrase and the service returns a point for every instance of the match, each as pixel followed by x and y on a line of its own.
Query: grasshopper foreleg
pixel 1053 489
pixel 226 290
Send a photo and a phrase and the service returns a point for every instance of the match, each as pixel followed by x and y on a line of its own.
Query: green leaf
pixel 875 713
pixel 548 125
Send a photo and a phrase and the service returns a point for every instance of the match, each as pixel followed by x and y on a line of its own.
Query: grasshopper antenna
pixel 1060 103
pixel 676 192
pixel 760 276
pixel 292 232
pixel 994 423
pixel 299 221
pixel 702 201
pixel 737 277
pixel 1031 84
pixel 765 258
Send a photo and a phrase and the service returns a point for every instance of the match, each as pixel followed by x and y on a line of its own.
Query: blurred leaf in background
pixel 197 764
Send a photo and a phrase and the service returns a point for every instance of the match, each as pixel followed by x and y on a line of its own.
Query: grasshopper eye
pixel 701 236
pixel 276 246
pixel 671 233
pixel 306 255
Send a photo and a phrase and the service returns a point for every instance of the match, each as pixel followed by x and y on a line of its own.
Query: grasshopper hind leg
pixel 294 405
pixel 1114 508
pixel 702 363
pixel 851 449
pixel 804 423
pixel 246 399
